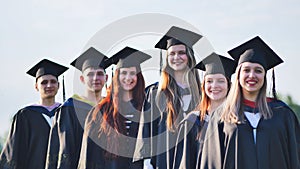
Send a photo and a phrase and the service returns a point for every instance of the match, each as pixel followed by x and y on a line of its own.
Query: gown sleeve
pixel 14 153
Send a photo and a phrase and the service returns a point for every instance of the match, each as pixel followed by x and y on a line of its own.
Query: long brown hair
pixel 111 124
pixel 233 110
pixel 170 89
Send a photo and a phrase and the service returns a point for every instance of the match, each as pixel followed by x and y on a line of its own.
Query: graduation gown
pixel 158 142
pixel 26 145
pixel 96 152
pixel 66 134
pixel 232 146
pixel 190 141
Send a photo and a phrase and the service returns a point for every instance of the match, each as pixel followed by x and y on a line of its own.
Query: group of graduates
pixel 175 123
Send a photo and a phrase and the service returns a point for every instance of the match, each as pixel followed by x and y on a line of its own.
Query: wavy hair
pixel 111 123
pixel 170 89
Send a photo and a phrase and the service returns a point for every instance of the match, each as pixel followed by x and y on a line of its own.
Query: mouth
pixel 251 82
pixel 215 91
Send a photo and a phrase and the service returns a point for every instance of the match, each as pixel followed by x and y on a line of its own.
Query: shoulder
pixel 276 104
pixel 280 107
pixel 192 117
pixel 151 87
pixel 68 102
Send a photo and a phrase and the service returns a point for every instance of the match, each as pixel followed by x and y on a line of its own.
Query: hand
pixel 147 164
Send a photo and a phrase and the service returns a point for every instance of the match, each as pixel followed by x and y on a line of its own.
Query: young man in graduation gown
pixel 66 134
pixel 26 146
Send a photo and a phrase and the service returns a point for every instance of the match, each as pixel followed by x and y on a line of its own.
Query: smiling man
pixel 66 134
pixel 26 146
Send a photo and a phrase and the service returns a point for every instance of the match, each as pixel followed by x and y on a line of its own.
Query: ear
pixel 36 87
pixel 58 84
pixel 81 78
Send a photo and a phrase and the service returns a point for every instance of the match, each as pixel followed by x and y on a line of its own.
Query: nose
pixel 49 84
pixel 251 74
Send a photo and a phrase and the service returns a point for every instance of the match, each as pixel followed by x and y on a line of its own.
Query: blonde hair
pixel 233 110
pixel 169 88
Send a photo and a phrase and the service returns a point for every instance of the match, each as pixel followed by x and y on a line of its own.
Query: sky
pixel 60 30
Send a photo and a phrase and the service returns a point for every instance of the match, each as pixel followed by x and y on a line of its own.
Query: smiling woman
pixel 252 131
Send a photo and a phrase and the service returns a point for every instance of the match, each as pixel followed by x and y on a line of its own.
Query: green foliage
pixel 288 99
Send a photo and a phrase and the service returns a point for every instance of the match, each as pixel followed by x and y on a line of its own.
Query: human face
pixel 128 78
pixel 251 79
pixel 216 86
pixel 47 85
pixel 93 79
pixel 177 58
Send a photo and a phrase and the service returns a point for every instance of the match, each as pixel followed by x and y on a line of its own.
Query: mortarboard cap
pixel 176 36
pixel 129 57
pixel 215 64
pixel 90 58
pixel 46 67
pixel 256 51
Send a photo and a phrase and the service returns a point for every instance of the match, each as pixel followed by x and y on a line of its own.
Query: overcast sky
pixel 60 30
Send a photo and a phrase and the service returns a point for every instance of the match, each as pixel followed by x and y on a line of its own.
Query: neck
pixel 214 104
pixel 179 77
pixel 94 97
pixel 127 96
pixel 47 102
pixel 252 96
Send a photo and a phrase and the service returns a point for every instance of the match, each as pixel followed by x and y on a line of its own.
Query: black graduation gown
pixel 159 142
pixel 26 145
pixel 95 153
pixel 231 146
pixel 190 141
pixel 66 134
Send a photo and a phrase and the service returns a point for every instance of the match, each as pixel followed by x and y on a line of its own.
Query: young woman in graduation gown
pixel 176 94
pixel 252 131
pixel 215 86
pixel 112 126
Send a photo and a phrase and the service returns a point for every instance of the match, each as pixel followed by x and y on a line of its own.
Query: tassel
pixel 273 84
pixel 160 62
pixel 64 91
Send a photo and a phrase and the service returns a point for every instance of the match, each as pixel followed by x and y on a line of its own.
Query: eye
pixel 181 52
pixel 209 81
pixel 221 81
pixel 44 82
pixel 171 54
pixel 100 73
pixel 123 73
pixel 53 81
pixel 258 71
pixel 246 70
pixel 133 73
pixel 90 74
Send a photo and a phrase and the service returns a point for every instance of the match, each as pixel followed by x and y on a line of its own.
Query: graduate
pixel 26 145
pixel 112 126
pixel 215 86
pixel 66 133
pixel 251 130
pixel 176 94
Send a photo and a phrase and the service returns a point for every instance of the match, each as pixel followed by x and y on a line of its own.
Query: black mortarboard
pixel 46 67
pixel 129 57
pixel 214 64
pixel 256 51
pixel 176 36
pixel 90 58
